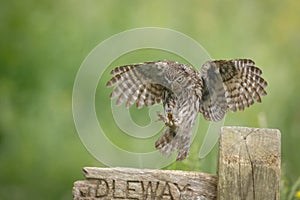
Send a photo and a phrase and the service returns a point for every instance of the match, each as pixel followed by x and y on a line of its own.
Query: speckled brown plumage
pixel 218 86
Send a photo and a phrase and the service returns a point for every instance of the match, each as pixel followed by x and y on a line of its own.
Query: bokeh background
pixel 43 43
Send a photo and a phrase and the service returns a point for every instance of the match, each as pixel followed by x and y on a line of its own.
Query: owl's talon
pixel 165 119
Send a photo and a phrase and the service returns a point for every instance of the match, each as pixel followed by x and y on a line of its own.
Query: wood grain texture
pixel 249 164
pixel 127 183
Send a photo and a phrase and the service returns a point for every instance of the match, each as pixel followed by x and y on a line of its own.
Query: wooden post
pixel 248 168
pixel 249 164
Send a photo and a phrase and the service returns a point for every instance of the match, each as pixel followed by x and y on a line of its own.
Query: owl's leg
pixel 165 119
pixel 169 120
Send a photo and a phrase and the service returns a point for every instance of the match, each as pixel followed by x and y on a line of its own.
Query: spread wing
pixel 139 83
pixel 234 84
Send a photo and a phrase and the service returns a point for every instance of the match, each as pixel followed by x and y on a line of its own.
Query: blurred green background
pixel 43 43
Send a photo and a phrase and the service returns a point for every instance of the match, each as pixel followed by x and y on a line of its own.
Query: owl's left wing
pixel 233 84
pixel 138 83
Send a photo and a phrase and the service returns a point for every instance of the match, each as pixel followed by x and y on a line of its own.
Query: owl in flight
pixel 220 85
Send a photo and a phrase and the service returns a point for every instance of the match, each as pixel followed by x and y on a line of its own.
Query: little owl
pixel 218 86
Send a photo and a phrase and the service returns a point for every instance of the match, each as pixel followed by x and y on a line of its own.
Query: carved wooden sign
pixel 144 184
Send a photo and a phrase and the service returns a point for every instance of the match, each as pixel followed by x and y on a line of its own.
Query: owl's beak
pixel 172 87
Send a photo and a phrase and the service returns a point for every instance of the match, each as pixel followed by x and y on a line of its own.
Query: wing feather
pixel 237 82
pixel 138 83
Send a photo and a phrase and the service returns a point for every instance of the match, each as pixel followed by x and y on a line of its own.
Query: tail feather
pixel 175 139
pixel 165 139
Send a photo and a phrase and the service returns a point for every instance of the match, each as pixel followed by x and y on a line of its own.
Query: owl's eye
pixel 179 79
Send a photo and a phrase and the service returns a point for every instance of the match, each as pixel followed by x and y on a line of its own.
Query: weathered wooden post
pixel 249 164
pixel 248 168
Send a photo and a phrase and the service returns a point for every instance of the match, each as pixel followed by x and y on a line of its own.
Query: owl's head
pixel 176 78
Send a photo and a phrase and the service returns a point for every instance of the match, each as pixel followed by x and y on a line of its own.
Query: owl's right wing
pixel 138 83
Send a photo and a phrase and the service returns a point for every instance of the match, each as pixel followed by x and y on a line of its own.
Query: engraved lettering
pixel 153 193
pixel 84 191
pixel 135 190
pixel 185 192
pixel 166 192
pixel 185 187
pixel 102 188
pixel 131 191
